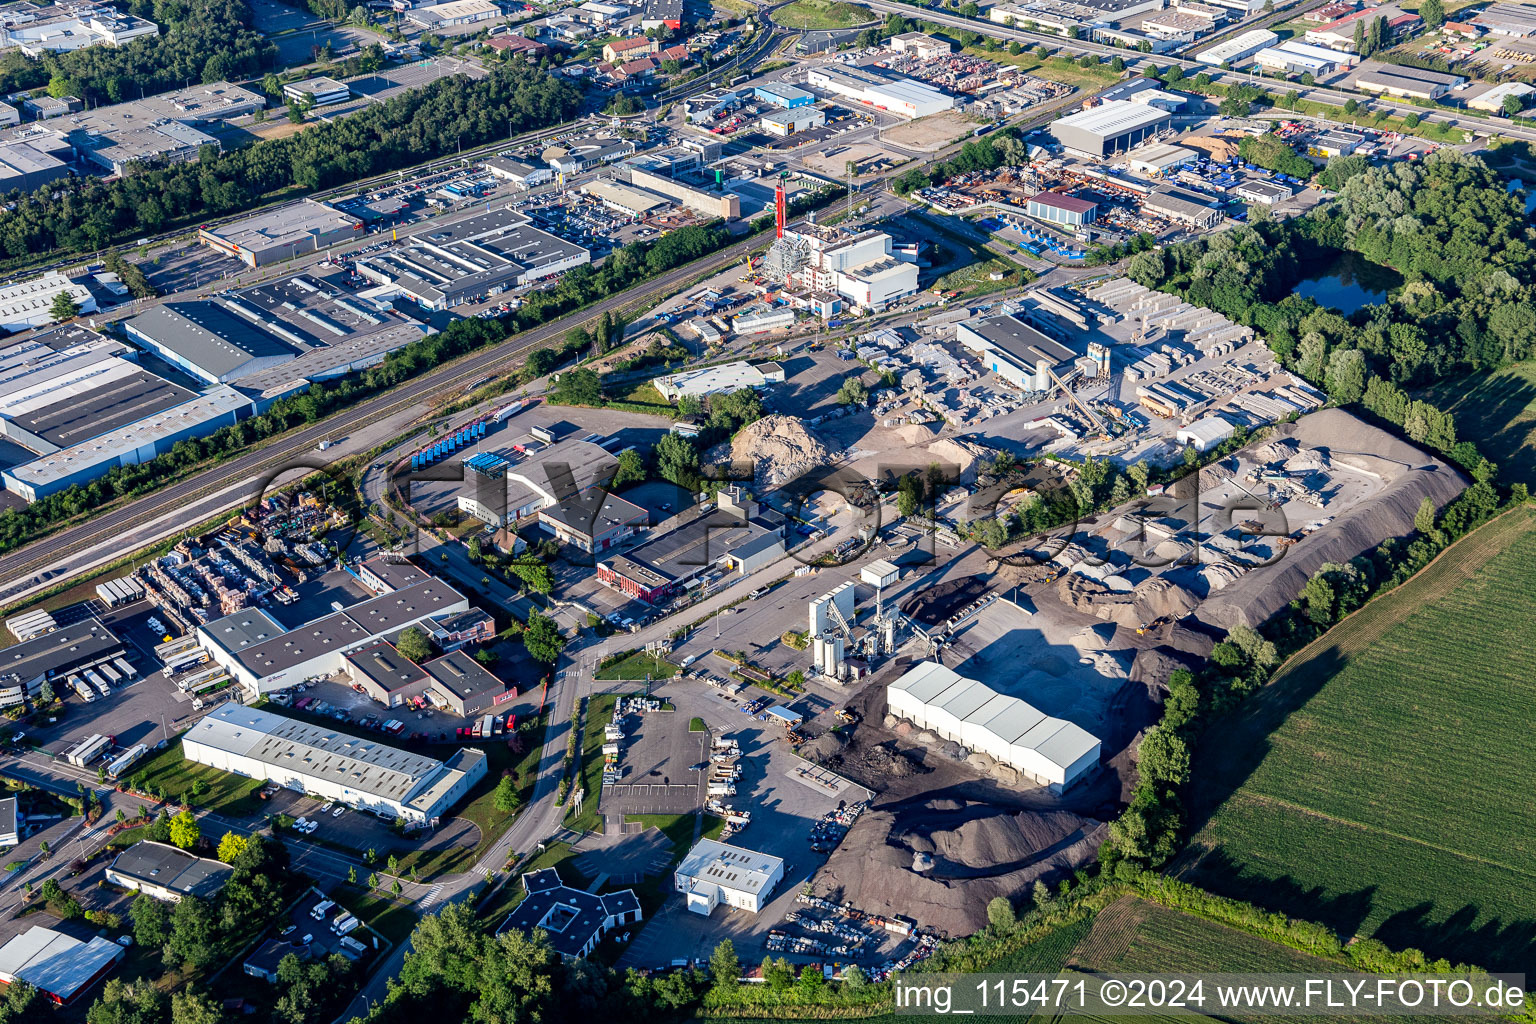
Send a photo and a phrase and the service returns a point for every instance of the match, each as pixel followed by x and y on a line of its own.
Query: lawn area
pixel 1382 783
pixel 389 918
pixel 203 787
pixel 639 665
pixel 696 725
pixel 1499 410
pixel 822 14
pixel 589 771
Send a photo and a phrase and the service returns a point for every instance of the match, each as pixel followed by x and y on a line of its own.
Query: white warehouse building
pixel 358 772
pixel 714 873
pixel 904 96
pixel 1238 49
pixel 1047 750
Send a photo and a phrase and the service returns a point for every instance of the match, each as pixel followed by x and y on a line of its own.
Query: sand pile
pixel 976 852
pixel 780 447
pixel 1160 597
pixel 824 747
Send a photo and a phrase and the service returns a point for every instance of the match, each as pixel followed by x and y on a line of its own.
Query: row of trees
pixel 204 41
pixel 87 214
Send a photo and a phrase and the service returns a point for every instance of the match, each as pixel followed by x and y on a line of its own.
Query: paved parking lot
pixel 657 751
pixel 783 810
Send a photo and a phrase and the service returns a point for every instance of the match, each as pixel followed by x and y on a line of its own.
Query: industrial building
pixel 484 255
pixel 861 268
pixel 715 873
pixel 136 442
pixel 573 920
pixel 360 773
pixel 786 122
pixel 1110 128
pixel 10 822
pixel 575 157
pixel 523 175
pixel 1238 49
pixel 906 97
pixel 167 873
pixel 662 13
pixel 318 92
pixel 385 674
pixel 262 656
pixel 1504 19
pixel 282 233
pixel 1161 158
pixel 737 534
pixel 1181 206
pixel 26 168
pixel 780 94
pixel 501 493
pixel 921 45
pixel 718 380
pixel 1257 190
pixel 1406 82
pixel 454 13
pixel 59 966
pixel 1015 351
pixel 462 685
pixel 707 201
pixel 593 520
pixel 1337 142
pixel 82 403
pixel 1205 433
pixel 29 304
pixel 157 129
pixel 1340 34
pixel 1289 62
pixel 1177 25
pixel 53 656
pixel 1493 100
pixel 1056 208
pixel 1045 750
pixel 37 30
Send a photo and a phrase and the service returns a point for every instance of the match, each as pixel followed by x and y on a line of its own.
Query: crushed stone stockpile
pixel 1409 475
pixel 780 447
pixel 941 860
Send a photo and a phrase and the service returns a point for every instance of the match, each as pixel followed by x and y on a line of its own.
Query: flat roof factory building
pixel 360 773
pixel 30 303
pixel 1238 49
pixel 780 94
pixel 484 255
pixel 906 97
pixel 1015 351
pixel 262 656
pixel 1411 83
pixel 1046 750
pixel 53 656
pixel 714 873
pixel 786 122
pixel 1110 128
pixel 320 92
pixel 167 873
pixel 718 380
pixel 1161 158
pixel 58 965
pixel 282 233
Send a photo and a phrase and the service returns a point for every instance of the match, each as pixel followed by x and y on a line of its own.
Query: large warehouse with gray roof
pixel 362 773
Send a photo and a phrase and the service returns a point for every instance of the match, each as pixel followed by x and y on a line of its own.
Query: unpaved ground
pixel 835 165
pixel 932 133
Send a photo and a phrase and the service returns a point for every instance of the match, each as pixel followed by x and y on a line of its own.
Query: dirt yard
pixel 932 133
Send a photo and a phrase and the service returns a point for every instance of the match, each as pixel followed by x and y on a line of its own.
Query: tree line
pixel 203 41
pixel 85 215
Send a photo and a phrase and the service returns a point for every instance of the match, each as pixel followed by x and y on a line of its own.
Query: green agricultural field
pixel 1383 782
pixel 1499 410
pixel 822 14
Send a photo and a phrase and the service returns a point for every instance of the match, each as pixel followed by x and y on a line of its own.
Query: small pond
pixel 1350 282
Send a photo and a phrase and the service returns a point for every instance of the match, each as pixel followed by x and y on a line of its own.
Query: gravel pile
pixel 780 447
pixel 970 852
